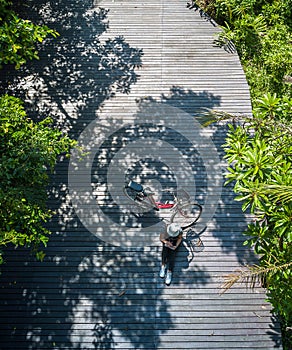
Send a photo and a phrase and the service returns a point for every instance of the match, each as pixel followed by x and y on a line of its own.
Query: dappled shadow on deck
pixel 228 218
pixel 76 72
pixel 84 295
pixel 88 294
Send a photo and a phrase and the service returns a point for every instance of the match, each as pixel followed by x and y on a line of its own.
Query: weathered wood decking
pixel 89 293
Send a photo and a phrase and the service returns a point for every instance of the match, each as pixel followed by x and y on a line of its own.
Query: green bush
pixel 28 151
pixel 19 37
pixel 261 32
pixel 259 150
pixel 259 157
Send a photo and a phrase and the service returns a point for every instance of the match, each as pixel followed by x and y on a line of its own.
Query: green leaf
pixel 40 255
pixel 26 151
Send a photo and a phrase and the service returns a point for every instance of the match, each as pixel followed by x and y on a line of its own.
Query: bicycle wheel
pixel 187 215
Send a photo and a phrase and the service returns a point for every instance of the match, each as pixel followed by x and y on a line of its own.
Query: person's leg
pixel 164 255
pixel 171 260
pixel 164 261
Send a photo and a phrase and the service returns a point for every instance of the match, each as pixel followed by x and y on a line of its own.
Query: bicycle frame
pixel 142 195
pixel 184 212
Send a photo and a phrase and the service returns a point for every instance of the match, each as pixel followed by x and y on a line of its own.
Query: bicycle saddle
pixel 135 186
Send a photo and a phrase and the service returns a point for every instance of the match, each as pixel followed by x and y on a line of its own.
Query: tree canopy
pixel 28 149
pixel 261 33
pixel 19 37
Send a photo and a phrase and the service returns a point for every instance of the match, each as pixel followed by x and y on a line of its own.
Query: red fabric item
pixel 164 205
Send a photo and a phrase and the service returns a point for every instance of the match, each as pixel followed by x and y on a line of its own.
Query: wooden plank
pixel 87 293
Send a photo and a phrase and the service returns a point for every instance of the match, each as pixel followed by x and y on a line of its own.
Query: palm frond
pixel 213 116
pixel 250 275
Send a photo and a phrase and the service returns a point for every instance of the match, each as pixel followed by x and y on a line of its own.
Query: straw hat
pixel 174 230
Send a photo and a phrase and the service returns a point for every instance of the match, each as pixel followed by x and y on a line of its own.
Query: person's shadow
pixel 191 245
pixel 182 258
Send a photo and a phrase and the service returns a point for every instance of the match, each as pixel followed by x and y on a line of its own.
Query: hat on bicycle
pixel 174 229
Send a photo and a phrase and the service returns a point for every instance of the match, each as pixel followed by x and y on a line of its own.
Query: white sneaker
pixel 168 278
pixel 162 272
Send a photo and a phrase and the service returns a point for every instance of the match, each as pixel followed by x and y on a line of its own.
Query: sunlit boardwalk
pixel 130 80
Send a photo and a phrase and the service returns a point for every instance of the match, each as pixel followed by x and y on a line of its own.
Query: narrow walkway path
pixel 130 80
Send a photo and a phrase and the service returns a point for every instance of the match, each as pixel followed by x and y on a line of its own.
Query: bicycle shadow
pixel 193 242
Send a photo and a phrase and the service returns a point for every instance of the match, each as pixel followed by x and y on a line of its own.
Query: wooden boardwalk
pixel 131 83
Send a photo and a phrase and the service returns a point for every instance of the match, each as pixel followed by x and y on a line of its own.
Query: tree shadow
pixel 228 217
pixel 274 333
pixel 77 71
pixel 229 221
pixel 87 294
pixel 191 5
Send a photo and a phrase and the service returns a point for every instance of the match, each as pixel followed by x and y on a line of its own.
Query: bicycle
pixel 184 212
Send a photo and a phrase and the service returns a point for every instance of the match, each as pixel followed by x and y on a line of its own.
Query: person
pixel 170 239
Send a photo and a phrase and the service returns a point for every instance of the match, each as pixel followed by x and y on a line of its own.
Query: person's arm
pixel 163 238
pixel 178 242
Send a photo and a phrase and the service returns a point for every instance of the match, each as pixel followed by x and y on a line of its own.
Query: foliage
pixel 259 156
pixel 19 37
pixel 259 149
pixel 252 275
pixel 261 33
pixel 27 151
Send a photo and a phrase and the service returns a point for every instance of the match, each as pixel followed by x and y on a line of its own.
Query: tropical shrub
pixel 259 156
pixel 261 33
pixel 19 37
pixel 259 149
pixel 28 150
